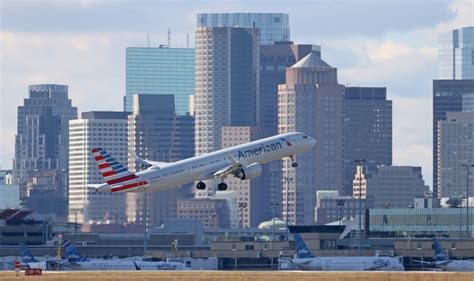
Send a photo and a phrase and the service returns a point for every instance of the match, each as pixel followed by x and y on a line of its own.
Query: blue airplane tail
pixel 302 251
pixel 439 254
pixel 72 254
pixel 26 255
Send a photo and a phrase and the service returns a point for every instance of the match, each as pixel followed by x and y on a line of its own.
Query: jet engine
pixel 249 172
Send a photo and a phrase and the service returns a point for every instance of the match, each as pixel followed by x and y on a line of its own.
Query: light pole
pixel 467 166
pixel 287 188
pixel 273 206
pixel 340 203
pixel 359 236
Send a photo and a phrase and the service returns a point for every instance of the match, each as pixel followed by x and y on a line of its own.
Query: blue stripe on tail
pixel 26 255
pixel 72 254
pixel 302 251
pixel 439 254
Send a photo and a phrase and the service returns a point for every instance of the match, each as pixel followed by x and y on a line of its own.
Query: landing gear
pixel 293 163
pixel 200 185
pixel 222 186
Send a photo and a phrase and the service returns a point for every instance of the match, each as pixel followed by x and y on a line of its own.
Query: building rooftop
pixel 311 60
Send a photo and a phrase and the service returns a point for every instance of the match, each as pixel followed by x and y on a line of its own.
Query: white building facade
pixel 95 129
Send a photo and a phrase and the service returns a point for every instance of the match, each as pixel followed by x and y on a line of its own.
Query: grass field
pixel 240 275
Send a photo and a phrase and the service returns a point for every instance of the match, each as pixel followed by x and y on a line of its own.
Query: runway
pixel 240 275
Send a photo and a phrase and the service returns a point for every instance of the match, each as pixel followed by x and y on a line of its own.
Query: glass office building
pixel 429 222
pixel 456 54
pixel 160 71
pixel 448 96
pixel 273 26
pixel 468 103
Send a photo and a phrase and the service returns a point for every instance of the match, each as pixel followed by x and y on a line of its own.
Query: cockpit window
pixel 305 136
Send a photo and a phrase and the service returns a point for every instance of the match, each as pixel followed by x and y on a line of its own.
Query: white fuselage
pixel 125 265
pixel 203 167
pixel 459 265
pixel 349 264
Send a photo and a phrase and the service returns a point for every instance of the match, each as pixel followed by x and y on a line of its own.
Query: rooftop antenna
pixel 187 40
pixel 169 38
pixel 148 40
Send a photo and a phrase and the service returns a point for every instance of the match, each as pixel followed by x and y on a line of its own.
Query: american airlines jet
pixel 307 261
pixel 242 161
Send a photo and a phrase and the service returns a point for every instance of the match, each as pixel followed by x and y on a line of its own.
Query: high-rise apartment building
pixel 273 27
pixel 367 130
pixel 311 101
pixel 456 54
pixel 448 96
pixel 227 82
pixel 156 133
pixel 391 186
pixel 160 71
pixel 106 129
pixel 455 147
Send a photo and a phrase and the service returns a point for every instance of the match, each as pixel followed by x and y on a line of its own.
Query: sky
pixel 391 44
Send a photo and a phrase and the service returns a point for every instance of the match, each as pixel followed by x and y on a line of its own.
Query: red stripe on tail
pixel 109 173
pixel 122 179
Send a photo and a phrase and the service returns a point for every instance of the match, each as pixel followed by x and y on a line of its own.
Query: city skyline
pixel 90 56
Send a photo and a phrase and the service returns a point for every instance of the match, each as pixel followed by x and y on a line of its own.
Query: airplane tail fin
pixel 302 251
pixel 112 171
pixel 72 254
pixel 439 254
pixel 26 255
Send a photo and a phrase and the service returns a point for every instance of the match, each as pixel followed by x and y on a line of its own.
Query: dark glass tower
pixel 156 133
pixel 367 130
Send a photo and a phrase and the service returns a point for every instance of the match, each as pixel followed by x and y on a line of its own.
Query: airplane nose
pixel 312 142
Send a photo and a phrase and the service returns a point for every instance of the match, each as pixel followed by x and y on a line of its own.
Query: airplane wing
pixel 149 162
pixel 232 169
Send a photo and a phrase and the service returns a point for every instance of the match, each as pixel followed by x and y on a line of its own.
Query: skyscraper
pixel 274 59
pixel 367 130
pixel 455 147
pixel 456 54
pixel 41 142
pixel 273 26
pixel 41 149
pixel 311 101
pixel 227 82
pixel 106 129
pixel 448 96
pixel 156 133
pixel 160 71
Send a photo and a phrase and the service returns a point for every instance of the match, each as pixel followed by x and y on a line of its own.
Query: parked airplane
pixel 445 263
pixel 307 261
pixel 241 161
pixel 28 260
pixel 77 262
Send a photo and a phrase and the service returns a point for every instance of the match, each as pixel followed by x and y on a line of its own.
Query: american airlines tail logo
pixel 264 148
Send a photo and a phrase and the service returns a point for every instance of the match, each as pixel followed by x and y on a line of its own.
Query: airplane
pixel 242 161
pixel 305 260
pixel 445 263
pixel 28 260
pixel 75 261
